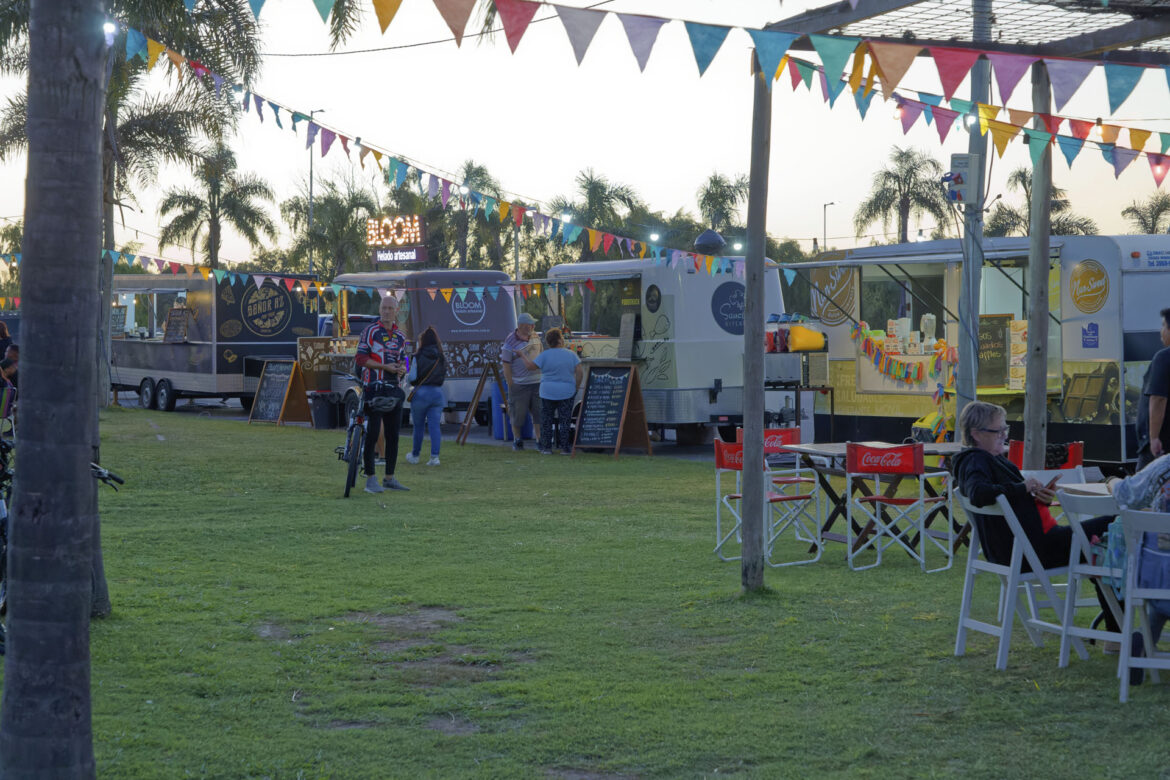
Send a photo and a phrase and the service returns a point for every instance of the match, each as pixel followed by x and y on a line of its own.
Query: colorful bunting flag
pixel 641 31
pixel 706 40
pixel 581 25
pixel 515 16
pixel 456 13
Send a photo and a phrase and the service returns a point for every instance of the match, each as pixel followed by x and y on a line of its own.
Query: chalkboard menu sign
pixel 612 414
pixel 994 354
pixel 280 395
pixel 176 327
pixel 118 322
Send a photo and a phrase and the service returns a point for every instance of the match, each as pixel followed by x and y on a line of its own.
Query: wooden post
pixel 1039 226
pixel 752 562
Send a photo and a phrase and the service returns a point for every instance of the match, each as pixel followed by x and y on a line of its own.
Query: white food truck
pixel 1105 294
pixel 681 325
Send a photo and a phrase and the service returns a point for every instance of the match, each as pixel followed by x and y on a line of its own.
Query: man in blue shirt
pixel 1153 424
pixel 381 359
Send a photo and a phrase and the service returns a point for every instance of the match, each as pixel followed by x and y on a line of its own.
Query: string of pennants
pixel 398 169
pixel 581 25
pixel 940 367
pixel 324 289
pixel 930 107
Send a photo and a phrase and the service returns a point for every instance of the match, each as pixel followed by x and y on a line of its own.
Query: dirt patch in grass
pixel 399 645
pixel 421 621
pixel 452 725
pixel 273 631
pixel 342 725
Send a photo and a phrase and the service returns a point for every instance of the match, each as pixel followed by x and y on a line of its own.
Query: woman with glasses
pixel 983 473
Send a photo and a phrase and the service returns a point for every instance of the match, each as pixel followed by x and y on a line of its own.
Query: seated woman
pixel 1149 490
pixel 983 473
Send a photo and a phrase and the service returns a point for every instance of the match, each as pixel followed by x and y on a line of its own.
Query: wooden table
pixel 832 455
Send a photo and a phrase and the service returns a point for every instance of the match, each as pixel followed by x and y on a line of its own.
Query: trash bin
pixel 501 425
pixel 324 410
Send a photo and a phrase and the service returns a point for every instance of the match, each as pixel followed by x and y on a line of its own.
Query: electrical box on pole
pixel 962 178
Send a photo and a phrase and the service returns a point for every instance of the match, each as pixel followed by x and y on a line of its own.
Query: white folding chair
pixel 909 516
pixel 1044 476
pixel 787 511
pixel 1137 525
pixel 1078 508
pixel 1012 581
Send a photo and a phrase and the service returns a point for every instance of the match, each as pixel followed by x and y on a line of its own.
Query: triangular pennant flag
pixel 256 6
pixel 275 113
pixel 834 51
pixel 219 274
pixel 489 205
pixel 581 25
pixel 590 286
pixel 433 188
pixel 1106 152
pixel 515 15
pixel 289 283
pixel 344 142
pixel 770 49
pixel 705 42
pixel 311 134
pixel 573 233
pixel 986 114
pixel 518 214
pixel 1109 133
pixel 325 6
pixel 1165 138
pixel 1051 123
pixel 153 50
pixel 1158 167
pixel 456 13
pixel 1119 83
pixel 178 60
pixel 641 31
pixel 400 175
pixel 1080 128
pixel 1138 138
pixel 1019 117
pixel 205 272
pixel 259 280
pixel 794 72
pixel 493 291
pixel 1038 141
pixel 953 66
pixel 385 10
pixel 327 137
pixel 606 242
pixel 446 291
pixel 1001 134
pixel 594 239
pixel 1066 77
pixel 1122 157
pixel 806 73
pixel 893 60
pixel 858 72
pixel 944 120
pixel 160 264
pixel 135 44
pixel 910 110
pixel 218 80
pixel 1070 147
pixel 1009 68
pixel 929 102
pixel 461 292
pixel 145 261
pixel 504 208
pixel 536 290
pixel 863 99
pixel 445 192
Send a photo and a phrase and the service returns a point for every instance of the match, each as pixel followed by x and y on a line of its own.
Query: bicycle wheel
pixel 353 456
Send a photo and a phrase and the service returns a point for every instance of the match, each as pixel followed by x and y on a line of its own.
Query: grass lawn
pixel 515 615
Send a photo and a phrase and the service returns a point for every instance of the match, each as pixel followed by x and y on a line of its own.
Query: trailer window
pixel 600 311
pixel 1002 291
pixel 906 291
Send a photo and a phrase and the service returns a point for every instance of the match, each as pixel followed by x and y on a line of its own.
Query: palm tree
pixel 476 178
pixel 720 199
pixel 52 531
pixel 600 206
pixel 1149 216
pixel 1007 220
pixel 910 187
pixel 339 223
pixel 223 196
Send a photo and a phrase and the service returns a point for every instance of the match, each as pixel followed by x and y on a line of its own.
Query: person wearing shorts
pixel 523 382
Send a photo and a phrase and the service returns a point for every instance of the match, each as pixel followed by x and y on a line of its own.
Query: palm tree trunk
pixel 213 240
pixel 904 221
pixel 461 238
pixel 45 721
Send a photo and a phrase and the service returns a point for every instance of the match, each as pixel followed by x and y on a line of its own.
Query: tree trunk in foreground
pixel 45 726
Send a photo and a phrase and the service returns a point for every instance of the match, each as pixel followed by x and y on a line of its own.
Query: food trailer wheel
pixel 246 402
pixel 165 395
pixel 146 396
pixel 693 434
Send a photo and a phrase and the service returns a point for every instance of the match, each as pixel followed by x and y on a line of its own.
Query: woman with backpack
pixel 428 371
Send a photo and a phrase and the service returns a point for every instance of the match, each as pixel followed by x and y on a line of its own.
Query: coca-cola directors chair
pixel 887 518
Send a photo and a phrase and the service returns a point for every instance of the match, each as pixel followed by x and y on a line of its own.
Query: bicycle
pixel 6 475
pixel 355 437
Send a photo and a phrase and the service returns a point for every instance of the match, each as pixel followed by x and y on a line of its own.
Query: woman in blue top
pixel 560 376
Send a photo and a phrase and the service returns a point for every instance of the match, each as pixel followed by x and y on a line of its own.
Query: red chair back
pixel 1076 454
pixel 728 455
pixel 884 458
pixel 1016 453
pixel 774 438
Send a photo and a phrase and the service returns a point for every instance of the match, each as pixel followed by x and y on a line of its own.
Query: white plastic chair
pixel 1072 474
pixel 1012 582
pixel 1137 525
pixel 1080 567
pixel 787 511
pixel 909 515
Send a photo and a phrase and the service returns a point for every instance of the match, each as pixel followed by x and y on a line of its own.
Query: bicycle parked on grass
pixel 7 472
pixel 358 428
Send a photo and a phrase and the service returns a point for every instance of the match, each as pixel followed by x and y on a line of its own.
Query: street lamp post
pixel 825 224
pixel 312 114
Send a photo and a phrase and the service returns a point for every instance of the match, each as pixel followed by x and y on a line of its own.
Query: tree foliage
pixel 1007 220
pixel 911 186
pixel 1151 215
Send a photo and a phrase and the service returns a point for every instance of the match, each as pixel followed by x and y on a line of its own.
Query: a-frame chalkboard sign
pixel 493 369
pixel 612 413
pixel 280 396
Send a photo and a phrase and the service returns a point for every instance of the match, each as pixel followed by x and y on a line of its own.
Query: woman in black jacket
pixel 982 473
pixel 428 371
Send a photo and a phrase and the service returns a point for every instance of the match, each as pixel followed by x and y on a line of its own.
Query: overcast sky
pixel 536 118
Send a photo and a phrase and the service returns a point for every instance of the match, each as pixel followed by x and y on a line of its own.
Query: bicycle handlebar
pixel 107 476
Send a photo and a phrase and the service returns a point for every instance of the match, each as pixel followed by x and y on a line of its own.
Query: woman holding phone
pixel 983 472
